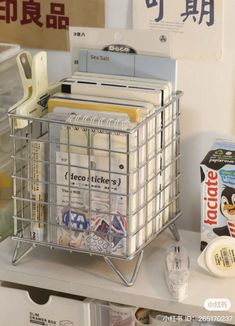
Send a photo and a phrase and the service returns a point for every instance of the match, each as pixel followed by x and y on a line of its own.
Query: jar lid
pixel 218 257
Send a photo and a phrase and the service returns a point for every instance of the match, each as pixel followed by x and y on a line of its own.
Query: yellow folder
pixel 133 112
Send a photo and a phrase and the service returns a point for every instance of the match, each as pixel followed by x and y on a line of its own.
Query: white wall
pixel 208 105
pixel 207 112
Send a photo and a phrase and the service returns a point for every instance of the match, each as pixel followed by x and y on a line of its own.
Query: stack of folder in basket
pixel 107 155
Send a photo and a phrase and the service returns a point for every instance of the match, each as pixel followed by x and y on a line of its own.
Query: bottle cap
pixel 218 258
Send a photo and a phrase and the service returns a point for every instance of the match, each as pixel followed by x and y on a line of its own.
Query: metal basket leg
pixel 120 274
pixel 18 254
pixel 174 231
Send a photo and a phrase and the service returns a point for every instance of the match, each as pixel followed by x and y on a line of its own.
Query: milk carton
pixel 218 192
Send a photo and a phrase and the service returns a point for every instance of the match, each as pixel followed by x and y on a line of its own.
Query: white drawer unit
pixel 17 308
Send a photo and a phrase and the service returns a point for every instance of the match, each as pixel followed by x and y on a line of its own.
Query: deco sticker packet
pixel 218 192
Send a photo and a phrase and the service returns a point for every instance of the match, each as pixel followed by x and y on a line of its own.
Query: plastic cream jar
pixel 218 258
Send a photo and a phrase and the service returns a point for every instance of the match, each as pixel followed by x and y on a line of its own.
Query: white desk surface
pixel 81 274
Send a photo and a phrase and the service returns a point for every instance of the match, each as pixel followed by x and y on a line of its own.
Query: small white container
pixel 218 257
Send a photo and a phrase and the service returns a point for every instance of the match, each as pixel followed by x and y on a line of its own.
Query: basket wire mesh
pixel 101 187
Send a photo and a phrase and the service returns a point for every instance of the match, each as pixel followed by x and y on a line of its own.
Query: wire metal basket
pixel 102 187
